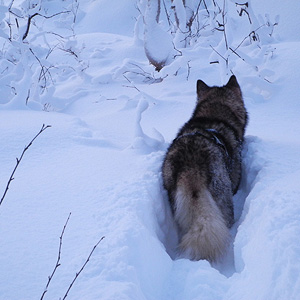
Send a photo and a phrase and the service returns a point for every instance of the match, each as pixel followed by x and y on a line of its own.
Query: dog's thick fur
pixel 202 170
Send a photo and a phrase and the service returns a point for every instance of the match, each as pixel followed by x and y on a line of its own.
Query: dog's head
pixel 229 95
pixel 232 85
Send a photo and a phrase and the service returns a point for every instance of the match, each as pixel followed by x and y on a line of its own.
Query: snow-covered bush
pixel 37 49
pixel 226 27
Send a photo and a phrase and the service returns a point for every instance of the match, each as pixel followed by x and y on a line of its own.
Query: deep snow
pixel 101 161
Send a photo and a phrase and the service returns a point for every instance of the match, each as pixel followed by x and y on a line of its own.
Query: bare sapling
pixel 11 178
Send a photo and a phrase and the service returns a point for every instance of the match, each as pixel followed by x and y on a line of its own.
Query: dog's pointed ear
pixel 202 88
pixel 234 85
pixel 232 82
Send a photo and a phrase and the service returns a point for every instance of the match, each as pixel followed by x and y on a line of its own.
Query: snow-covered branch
pixel 33 36
pixel 223 26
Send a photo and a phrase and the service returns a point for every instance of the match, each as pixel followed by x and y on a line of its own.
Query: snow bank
pixel 117 17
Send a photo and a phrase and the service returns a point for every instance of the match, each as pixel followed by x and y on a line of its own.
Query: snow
pixel 158 43
pixel 111 124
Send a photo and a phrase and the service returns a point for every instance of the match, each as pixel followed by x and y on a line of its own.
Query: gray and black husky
pixel 202 170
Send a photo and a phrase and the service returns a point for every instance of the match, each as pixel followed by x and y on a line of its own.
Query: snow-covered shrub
pixel 157 42
pixel 37 49
pixel 226 27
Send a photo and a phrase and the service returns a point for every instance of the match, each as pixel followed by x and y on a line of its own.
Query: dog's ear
pixel 233 85
pixel 202 88
pixel 232 82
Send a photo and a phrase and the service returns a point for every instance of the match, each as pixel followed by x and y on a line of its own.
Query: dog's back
pixel 201 171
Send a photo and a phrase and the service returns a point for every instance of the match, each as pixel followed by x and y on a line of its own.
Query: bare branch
pixel 226 59
pixel 10 9
pixel 253 33
pixel 166 12
pixel 189 69
pixel 224 30
pixel 195 14
pixel 70 51
pixel 78 273
pixel 44 70
pixel 149 78
pixel 11 178
pixel 75 10
pixel 38 14
pixel 57 264
pixel 233 51
pixel 28 96
pixel 132 85
pixel 244 10
pixel 28 25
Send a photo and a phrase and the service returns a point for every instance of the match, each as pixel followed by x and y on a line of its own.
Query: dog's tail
pixel 201 224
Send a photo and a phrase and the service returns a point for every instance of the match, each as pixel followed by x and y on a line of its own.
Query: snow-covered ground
pixel 101 160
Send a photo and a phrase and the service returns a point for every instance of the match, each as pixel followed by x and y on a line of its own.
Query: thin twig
pixel 70 51
pixel 233 51
pixel 75 11
pixel 206 7
pixel 58 257
pixel 44 70
pixel 10 9
pixel 180 52
pixel 27 98
pixel 226 59
pixel 166 12
pixel 78 273
pixel 252 32
pixel 189 69
pixel 44 127
pixel 38 14
pixel 244 10
pixel 195 14
pixel 224 30
pixel 132 85
pixel 28 25
pixel 50 51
